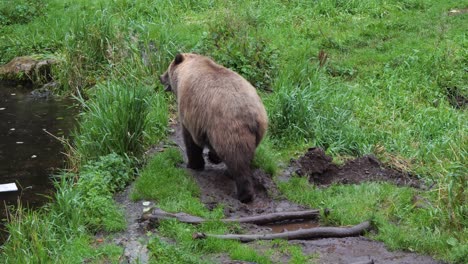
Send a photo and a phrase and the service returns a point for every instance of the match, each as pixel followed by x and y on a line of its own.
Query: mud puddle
pixel 29 155
pixel 291 226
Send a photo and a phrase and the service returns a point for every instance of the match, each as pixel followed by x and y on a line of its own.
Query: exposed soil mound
pixel 321 171
pixel 456 97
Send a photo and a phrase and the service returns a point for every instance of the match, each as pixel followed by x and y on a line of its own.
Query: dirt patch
pixel 459 11
pixel 316 165
pixel 456 97
pixel 358 250
pixel 133 239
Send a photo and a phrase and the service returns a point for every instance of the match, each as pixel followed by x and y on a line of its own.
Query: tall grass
pixel 118 118
pixel 89 48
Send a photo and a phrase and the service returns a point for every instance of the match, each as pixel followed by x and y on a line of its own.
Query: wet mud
pixel 133 240
pixel 320 170
pixel 358 250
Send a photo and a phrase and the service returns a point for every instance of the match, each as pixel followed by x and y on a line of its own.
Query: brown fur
pixel 220 110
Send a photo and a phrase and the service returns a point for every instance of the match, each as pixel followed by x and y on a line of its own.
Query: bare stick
pixel 258 219
pixel 316 232
pixel 370 261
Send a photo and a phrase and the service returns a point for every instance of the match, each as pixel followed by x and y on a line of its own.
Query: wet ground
pixel 217 187
pixel 28 155
pixel 320 170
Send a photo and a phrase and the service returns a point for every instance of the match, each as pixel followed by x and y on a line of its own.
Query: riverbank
pixel 355 78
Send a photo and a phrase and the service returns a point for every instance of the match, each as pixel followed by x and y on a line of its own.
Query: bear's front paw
pixel 245 195
pixel 199 166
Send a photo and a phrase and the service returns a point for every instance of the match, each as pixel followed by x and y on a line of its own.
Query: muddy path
pixel 218 188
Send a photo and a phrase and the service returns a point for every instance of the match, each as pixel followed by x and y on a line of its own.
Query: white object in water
pixel 8 187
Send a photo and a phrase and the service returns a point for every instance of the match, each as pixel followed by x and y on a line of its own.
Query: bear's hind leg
pixel 194 152
pixel 242 174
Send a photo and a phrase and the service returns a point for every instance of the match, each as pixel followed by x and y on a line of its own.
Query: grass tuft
pixel 119 118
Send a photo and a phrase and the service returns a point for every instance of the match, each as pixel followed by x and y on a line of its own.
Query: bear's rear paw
pixel 244 195
pixel 199 166
pixel 213 157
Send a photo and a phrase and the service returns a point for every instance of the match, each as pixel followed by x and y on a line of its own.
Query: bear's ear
pixel 178 58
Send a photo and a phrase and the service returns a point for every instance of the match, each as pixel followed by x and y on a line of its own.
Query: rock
pixel 45 92
pixel 41 93
pixel 27 68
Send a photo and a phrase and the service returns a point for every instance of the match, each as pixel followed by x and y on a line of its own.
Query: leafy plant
pixel 229 42
pixel 20 11
pixel 96 185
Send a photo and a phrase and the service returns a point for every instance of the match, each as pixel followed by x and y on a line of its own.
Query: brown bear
pixel 220 110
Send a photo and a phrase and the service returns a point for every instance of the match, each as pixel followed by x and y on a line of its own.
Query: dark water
pixel 292 226
pixel 28 155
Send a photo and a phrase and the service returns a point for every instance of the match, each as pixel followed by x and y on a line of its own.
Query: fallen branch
pixel 159 214
pixel 370 261
pixel 316 232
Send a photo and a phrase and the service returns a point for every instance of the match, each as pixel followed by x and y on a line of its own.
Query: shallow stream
pixel 28 154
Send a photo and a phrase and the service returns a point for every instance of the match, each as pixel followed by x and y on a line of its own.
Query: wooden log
pixel 310 233
pixel 159 214
pixel 370 261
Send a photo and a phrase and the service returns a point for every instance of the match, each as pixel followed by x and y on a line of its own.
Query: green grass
pixel 386 83
pixel 266 158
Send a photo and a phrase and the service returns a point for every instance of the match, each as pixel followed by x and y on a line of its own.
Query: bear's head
pixel 168 79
